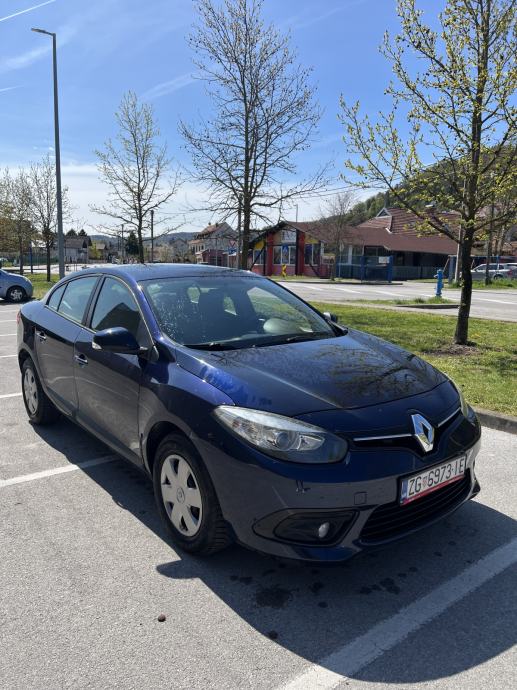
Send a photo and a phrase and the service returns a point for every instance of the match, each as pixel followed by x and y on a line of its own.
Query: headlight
pixel 282 437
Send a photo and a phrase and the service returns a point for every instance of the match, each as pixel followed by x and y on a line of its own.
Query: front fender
pixel 170 394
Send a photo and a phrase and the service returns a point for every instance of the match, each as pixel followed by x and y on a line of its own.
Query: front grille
pixel 393 520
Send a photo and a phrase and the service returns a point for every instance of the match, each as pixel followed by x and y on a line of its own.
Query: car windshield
pixel 230 312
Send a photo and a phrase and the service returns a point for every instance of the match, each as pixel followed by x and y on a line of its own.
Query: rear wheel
pixel 39 408
pixel 16 294
pixel 186 498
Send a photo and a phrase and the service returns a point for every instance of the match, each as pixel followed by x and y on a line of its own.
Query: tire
pixel 16 294
pixel 40 409
pixel 192 516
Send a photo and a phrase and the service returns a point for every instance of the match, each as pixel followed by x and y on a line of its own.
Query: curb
pixel 325 281
pixel 428 306
pixel 497 420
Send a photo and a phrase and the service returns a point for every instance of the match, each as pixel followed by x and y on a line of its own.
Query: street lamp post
pixel 152 236
pixel 60 236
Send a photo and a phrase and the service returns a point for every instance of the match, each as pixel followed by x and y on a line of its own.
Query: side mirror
pixel 116 340
pixel 330 317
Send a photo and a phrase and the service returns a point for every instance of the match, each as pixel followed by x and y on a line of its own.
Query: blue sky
pixel 108 46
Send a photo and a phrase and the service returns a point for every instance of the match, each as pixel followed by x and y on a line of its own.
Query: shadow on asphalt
pixel 312 610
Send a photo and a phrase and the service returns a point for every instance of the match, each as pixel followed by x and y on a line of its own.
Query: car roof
pixel 138 272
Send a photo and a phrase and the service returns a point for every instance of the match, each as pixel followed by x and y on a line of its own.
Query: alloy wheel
pixel 181 495
pixel 30 391
pixel 16 294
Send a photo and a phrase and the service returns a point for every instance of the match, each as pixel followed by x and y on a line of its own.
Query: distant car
pixel 14 287
pixel 495 271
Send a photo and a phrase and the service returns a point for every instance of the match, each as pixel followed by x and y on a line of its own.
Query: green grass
pixel 486 371
pixel 39 281
pixel 421 300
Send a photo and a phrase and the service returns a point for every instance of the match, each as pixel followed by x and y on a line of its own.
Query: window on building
pixel 316 254
pixel 308 254
pixel 258 256
pixel 277 255
pixel 292 255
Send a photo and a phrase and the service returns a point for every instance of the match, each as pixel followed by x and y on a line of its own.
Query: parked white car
pixel 495 271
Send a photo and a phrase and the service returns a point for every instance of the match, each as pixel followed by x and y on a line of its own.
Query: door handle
pixel 81 360
pixel 41 335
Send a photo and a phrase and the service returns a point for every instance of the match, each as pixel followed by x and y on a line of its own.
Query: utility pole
pixel 59 199
pixel 123 252
pixel 152 235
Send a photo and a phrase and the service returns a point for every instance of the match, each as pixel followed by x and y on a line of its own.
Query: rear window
pixel 55 297
pixel 75 298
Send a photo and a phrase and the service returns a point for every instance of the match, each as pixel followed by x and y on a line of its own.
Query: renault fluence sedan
pixel 259 419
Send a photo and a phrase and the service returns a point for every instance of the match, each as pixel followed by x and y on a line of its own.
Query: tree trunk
pixel 462 324
pixel 141 257
pixel 47 245
pixel 246 214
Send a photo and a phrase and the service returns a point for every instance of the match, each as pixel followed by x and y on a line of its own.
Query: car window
pixel 116 306
pixel 231 312
pixel 75 298
pixel 53 301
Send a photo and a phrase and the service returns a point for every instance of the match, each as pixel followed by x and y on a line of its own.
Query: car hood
pixel 346 372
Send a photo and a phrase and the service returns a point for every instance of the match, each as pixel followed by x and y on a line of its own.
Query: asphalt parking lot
pixel 86 570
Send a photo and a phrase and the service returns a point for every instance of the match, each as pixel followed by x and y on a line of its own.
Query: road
pixel 86 570
pixel 488 304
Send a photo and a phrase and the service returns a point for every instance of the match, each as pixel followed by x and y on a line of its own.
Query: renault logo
pixel 424 432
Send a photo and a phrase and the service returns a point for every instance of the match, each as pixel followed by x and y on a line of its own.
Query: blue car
pixel 259 419
pixel 14 287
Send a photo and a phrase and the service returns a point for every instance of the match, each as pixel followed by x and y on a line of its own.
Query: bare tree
pixel 135 169
pixel 335 214
pixel 264 114
pixel 457 98
pixel 43 210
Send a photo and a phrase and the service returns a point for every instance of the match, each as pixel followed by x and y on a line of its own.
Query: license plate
pixel 434 478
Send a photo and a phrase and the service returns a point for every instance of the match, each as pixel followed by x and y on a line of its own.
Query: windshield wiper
pixel 210 346
pixel 307 336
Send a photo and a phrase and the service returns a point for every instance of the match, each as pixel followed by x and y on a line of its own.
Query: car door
pixel 58 326
pixel 108 383
pixel 3 283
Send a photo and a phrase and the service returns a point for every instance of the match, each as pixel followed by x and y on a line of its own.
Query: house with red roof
pixel 309 249
pixel 215 244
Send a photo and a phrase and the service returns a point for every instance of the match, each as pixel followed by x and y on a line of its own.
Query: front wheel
pixel 186 498
pixel 39 408
pixel 16 294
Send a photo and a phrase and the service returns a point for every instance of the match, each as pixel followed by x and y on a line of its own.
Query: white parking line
pixel 386 292
pixel 4 335
pixel 9 395
pixel 348 660
pixel 6 356
pixel 57 470
pixel 7 320
pixel 498 301
pixel 345 289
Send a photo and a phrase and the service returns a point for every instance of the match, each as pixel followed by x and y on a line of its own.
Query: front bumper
pixel 258 493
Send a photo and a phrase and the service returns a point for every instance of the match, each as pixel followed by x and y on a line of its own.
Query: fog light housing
pixel 307 527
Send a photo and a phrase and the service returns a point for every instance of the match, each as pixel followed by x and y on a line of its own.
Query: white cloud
pixel 9 88
pixel 64 35
pixel 171 86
